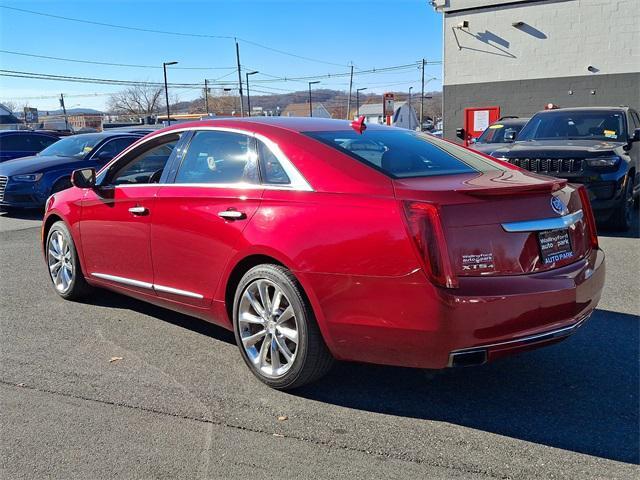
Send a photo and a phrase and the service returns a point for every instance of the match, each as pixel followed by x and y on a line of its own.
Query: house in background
pixel 302 110
pixel 404 115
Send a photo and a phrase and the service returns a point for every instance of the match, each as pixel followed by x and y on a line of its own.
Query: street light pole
pixel 248 95
pixel 310 105
pixel 422 97
pixel 410 116
pixel 206 96
pixel 358 90
pixel 166 89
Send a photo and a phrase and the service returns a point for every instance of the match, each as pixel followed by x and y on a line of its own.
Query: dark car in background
pixel 499 134
pixel 22 143
pixel 28 182
pixel 595 146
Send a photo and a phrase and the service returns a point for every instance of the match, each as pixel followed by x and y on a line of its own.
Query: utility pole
pixel 206 96
pixel 310 105
pixel 64 110
pixel 349 99
pixel 422 98
pixel 240 80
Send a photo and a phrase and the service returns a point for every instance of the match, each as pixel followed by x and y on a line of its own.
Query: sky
pixel 330 35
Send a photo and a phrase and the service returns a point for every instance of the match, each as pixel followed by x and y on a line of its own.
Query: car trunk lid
pixel 504 222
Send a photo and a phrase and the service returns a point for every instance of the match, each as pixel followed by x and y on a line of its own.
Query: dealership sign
pixel 30 115
pixel 388 104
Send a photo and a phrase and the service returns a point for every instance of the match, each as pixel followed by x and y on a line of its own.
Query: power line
pixel 130 65
pixel 104 81
pixel 168 32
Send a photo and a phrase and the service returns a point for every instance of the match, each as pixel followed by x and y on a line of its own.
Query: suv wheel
pixel 276 330
pixel 623 215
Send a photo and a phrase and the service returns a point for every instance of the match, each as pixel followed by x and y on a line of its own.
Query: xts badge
pixel 480 262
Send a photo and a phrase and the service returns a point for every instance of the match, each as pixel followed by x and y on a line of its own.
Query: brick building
pixel 521 55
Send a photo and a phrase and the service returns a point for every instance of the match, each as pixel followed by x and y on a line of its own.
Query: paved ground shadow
pixel 579 395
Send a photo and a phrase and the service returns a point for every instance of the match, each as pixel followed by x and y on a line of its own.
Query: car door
pixel 116 216
pixel 199 217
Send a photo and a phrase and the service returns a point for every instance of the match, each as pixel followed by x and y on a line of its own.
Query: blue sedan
pixel 28 182
pixel 22 143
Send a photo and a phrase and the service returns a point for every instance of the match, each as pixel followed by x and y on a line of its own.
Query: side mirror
pixel 510 136
pixel 84 178
pixel 460 133
pixel 636 135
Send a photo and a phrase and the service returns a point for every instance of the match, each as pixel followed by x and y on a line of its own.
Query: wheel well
pixel 51 219
pixel 238 272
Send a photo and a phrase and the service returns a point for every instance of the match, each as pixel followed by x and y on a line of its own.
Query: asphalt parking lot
pixel 180 402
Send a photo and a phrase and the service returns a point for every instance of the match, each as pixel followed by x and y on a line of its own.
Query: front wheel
pixel 276 330
pixel 63 263
pixel 623 214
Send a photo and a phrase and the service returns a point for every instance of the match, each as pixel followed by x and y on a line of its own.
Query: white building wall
pixel 558 39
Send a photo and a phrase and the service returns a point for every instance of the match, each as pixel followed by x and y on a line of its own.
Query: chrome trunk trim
pixel 544 223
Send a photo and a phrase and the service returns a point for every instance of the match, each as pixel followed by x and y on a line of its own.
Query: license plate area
pixel 555 245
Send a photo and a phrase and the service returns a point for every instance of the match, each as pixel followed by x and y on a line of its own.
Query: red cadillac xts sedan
pixel 318 239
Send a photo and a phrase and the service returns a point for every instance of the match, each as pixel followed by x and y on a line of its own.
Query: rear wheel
pixel 64 266
pixel 276 331
pixel 623 214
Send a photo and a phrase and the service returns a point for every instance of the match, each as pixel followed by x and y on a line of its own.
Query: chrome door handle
pixel 232 215
pixel 139 210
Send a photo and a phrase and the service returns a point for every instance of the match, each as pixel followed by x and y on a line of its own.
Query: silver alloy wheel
pixel 268 328
pixel 59 260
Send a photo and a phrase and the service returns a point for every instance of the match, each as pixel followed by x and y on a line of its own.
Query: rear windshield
pixel 405 153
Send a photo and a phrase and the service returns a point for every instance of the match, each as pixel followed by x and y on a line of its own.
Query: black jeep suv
pixel 596 146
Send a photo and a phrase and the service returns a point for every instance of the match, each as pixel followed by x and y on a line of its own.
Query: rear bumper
pixel 407 322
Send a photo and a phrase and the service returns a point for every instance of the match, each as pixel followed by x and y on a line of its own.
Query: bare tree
pixel 138 100
pixel 11 105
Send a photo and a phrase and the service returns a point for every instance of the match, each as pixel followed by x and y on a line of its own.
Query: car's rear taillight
pixel 425 229
pixel 588 214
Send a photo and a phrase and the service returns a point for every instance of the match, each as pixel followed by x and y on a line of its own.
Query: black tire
pixel 78 287
pixel 623 214
pixel 60 185
pixel 312 358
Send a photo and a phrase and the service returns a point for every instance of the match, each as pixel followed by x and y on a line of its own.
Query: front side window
pixel 113 147
pixel 496 133
pixel 404 153
pixel 218 157
pixel 146 167
pixel 575 125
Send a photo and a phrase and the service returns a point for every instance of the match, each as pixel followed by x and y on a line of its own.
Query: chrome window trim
pixel 148 286
pixel 298 182
pixel 544 223
pixel 239 185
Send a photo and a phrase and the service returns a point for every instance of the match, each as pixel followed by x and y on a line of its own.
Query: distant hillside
pixel 334 100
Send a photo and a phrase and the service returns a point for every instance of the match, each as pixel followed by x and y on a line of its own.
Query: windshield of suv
pixel 404 153
pixel 496 132
pixel 75 146
pixel 575 125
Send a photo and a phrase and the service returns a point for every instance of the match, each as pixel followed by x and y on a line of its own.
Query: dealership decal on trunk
pixel 478 261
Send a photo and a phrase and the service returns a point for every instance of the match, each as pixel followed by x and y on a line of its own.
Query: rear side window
pixel 270 166
pixel 404 153
pixel 21 143
pixel 219 158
